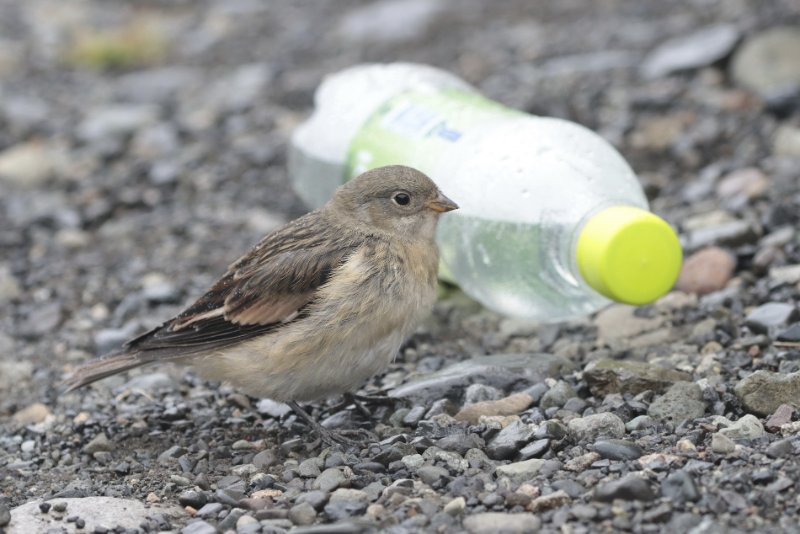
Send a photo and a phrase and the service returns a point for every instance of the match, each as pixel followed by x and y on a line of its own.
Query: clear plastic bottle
pixel 552 221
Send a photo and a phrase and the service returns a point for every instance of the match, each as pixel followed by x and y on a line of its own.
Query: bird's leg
pixel 327 437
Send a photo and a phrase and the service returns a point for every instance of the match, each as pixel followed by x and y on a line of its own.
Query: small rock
pixel 780 449
pixel 345 502
pixel 210 510
pixel 619 322
pixel 593 426
pixel 480 393
pixel 509 440
pixel 681 402
pixel 786 141
pixel 764 391
pixel 770 316
pixel 193 498
pixel 455 507
pixel 520 471
pixel 329 480
pixel 199 527
pixel 265 459
pixel 115 121
pixel 99 443
pixel 273 409
pixel 766 63
pixel 511 405
pixel 390 21
pixel 786 274
pixel 706 271
pixel 629 488
pixel 782 416
pixel 302 514
pixel 35 413
pixel 309 468
pixel 618 449
pixel 5 515
pixel 722 444
pixel 27 165
pixel 639 422
pixel 748 427
pixel 697 49
pixel 557 396
pixel 748 184
pixel 629 377
pixel 432 474
pixel 494 522
pixel 550 501
pixel 680 487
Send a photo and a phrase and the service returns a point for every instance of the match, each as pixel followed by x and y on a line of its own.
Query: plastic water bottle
pixel 553 223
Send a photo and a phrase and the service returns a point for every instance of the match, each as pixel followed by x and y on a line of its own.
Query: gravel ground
pixel 135 165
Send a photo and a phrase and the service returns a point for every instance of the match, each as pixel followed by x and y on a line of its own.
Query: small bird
pixel 317 306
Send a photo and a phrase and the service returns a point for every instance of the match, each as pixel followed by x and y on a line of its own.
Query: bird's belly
pixel 280 372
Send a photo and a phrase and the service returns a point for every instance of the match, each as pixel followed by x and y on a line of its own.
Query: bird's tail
pixel 99 369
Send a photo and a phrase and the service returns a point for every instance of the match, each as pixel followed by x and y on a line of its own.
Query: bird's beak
pixel 442 204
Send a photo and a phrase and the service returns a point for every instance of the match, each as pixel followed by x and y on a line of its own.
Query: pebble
pixel 302 514
pixel 493 522
pixel 682 401
pixel 550 501
pixel 199 527
pixel 557 396
pixel 594 426
pixel 432 474
pixel 618 449
pixel 32 414
pixel 771 316
pixel 511 405
pixel 520 471
pixel 329 479
pixel 722 444
pixel 509 440
pixel 607 376
pixel 780 449
pixel 27 165
pixel 786 274
pixel 787 141
pixel 680 487
pixel 99 443
pixel 706 271
pixel 745 184
pixel 700 48
pixel 629 488
pixel 5 515
pixel 455 507
pixel 345 502
pixel 782 416
pixel 115 121
pixel 763 392
pixel 389 21
pixel 748 427
pixel 766 63
pixel 271 408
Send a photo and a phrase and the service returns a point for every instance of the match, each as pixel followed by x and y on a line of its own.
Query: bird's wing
pixel 268 288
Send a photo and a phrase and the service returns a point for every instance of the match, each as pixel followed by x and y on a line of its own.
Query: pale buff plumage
pixel 319 305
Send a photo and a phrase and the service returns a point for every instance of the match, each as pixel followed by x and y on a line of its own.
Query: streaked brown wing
pixel 264 290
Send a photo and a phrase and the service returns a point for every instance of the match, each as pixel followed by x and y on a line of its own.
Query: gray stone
pixel 520 471
pixel 346 503
pixel 273 409
pixel 210 510
pixel 764 391
pixel 309 468
pixel 722 444
pixel 509 440
pixel 329 480
pixel 697 49
pixel 631 487
pixel 5 515
pixel 629 377
pixel 390 21
pixel 499 371
pixel 27 165
pixel 770 316
pixel 95 511
pixel 557 396
pixel 302 514
pixel 115 121
pixel 494 522
pixel 731 233
pixel 99 443
pixel 264 459
pixel 680 487
pixel 682 401
pixel 767 62
pixel 593 426
pixel 432 474
pixel 618 449
pixel 748 427
pixel 155 85
pixel 199 527
pixel 479 393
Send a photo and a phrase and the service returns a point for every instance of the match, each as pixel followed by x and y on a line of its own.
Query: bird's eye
pixel 401 199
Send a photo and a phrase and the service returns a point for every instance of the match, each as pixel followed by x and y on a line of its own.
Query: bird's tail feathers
pixel 99 369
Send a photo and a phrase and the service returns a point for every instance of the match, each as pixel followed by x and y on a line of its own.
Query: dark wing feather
pixel 264 290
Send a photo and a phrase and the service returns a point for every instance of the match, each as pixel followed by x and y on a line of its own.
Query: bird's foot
pixel 330 437
pixel 360 402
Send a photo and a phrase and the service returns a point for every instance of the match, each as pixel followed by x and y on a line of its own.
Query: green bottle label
pixel 413 128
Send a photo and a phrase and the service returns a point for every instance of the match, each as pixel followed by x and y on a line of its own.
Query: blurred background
pixel 142 144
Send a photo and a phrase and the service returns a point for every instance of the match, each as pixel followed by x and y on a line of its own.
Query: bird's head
pixel 396 200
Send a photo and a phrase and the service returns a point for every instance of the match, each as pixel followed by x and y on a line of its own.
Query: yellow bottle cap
pixel 629 255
